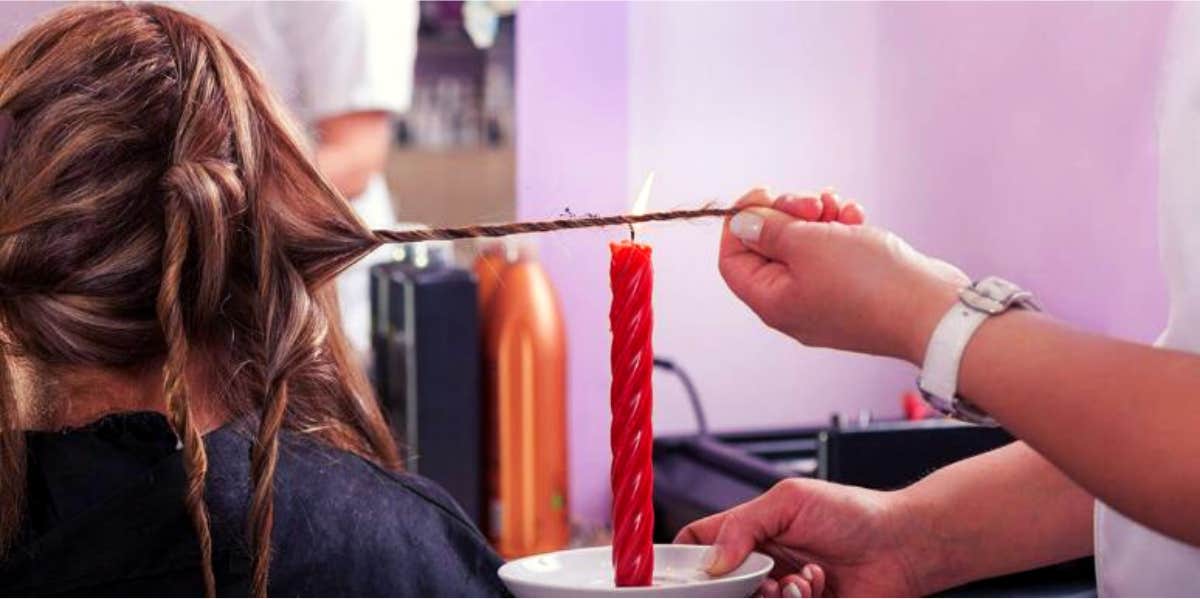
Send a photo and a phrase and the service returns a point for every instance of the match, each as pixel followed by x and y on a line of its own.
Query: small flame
pixel 643 196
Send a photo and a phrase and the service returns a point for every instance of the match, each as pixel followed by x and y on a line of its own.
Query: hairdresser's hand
pixel 826 539
pixel 835 283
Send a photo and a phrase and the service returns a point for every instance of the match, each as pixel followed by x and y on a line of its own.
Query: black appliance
pixel 425 338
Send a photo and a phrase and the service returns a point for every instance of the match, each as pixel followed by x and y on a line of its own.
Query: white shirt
pixel 324 59
pixel 1132 560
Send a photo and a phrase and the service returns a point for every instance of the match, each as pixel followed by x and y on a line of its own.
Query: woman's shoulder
pixel 344 526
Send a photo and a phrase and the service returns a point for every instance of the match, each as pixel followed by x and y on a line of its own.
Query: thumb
pixel 739 535
pixel 761 229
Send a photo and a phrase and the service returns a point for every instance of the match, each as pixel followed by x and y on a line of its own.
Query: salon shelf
pixel 453 186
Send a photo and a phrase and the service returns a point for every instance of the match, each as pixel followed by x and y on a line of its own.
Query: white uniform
pixel 1132 560
pixel 324 59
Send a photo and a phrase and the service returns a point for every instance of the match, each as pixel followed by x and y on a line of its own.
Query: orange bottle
pixel 493 258
pixel 525 356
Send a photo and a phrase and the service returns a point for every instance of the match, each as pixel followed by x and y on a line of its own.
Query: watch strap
pixel 943 355
pixel 948 342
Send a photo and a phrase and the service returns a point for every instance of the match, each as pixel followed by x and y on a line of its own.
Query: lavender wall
pixel 725 96
pixel 572 148
pixel 1026 134
pixel 1012 139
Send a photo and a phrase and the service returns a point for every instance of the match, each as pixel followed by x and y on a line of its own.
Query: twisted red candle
pixel 632 319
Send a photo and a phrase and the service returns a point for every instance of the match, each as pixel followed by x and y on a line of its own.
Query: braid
pixel 199 186
pixel 262 505
pixel 196 465
pixel 292 334
pixel 207 141
pixel 170 314
pixel 292 341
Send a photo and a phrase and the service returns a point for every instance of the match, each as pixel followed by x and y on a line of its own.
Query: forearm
pixel 343 168
pixel 1000 512
pixel 352 148
pixel 1120 419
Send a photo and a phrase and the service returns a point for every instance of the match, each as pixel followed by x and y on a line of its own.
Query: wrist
pixel 924 549
pixel 928 309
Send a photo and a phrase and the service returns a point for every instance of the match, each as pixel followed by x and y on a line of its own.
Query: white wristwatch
pixel 939 375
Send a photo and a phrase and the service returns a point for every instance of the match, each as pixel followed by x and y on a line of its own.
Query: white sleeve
pixel 353 56
pixel 1179 153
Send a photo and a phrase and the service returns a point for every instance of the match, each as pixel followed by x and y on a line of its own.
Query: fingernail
pixel 791 590
pixel 746 226
pixel 806 573
pixel 709 559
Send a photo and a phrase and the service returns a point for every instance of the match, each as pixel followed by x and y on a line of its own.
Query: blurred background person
pixel 344 69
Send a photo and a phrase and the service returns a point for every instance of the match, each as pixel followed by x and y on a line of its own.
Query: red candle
pixel 632 320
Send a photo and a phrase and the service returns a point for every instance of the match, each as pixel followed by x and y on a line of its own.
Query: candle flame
pixel 641 203
pixel 643 196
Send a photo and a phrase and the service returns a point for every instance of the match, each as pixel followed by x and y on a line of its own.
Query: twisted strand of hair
pixel 542 226
pixel 195 460
pixel 262 506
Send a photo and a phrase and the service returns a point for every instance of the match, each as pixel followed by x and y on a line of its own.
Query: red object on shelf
pixel 632 320
pixel 914 406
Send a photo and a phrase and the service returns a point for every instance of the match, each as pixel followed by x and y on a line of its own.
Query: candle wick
pixel 632 233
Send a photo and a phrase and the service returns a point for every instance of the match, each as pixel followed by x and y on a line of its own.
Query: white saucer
pixel 678 572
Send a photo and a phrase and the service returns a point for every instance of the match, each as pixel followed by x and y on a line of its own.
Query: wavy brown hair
pixel 158 211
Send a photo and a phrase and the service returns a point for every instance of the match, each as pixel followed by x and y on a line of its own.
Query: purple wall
pixel 1027 131
pixel 723 97
pixel 1011 139
pixel 572 147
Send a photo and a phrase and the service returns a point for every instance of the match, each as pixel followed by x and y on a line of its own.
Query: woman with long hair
pixel 178 413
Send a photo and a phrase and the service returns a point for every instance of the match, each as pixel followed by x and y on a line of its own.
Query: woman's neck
pixel 75 397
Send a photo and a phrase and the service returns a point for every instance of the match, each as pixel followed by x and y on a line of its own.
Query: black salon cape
pixel 106 517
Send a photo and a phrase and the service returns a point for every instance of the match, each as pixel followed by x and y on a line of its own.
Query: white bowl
pixel 678 572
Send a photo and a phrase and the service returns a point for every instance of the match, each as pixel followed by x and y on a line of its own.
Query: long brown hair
pixel 158 211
